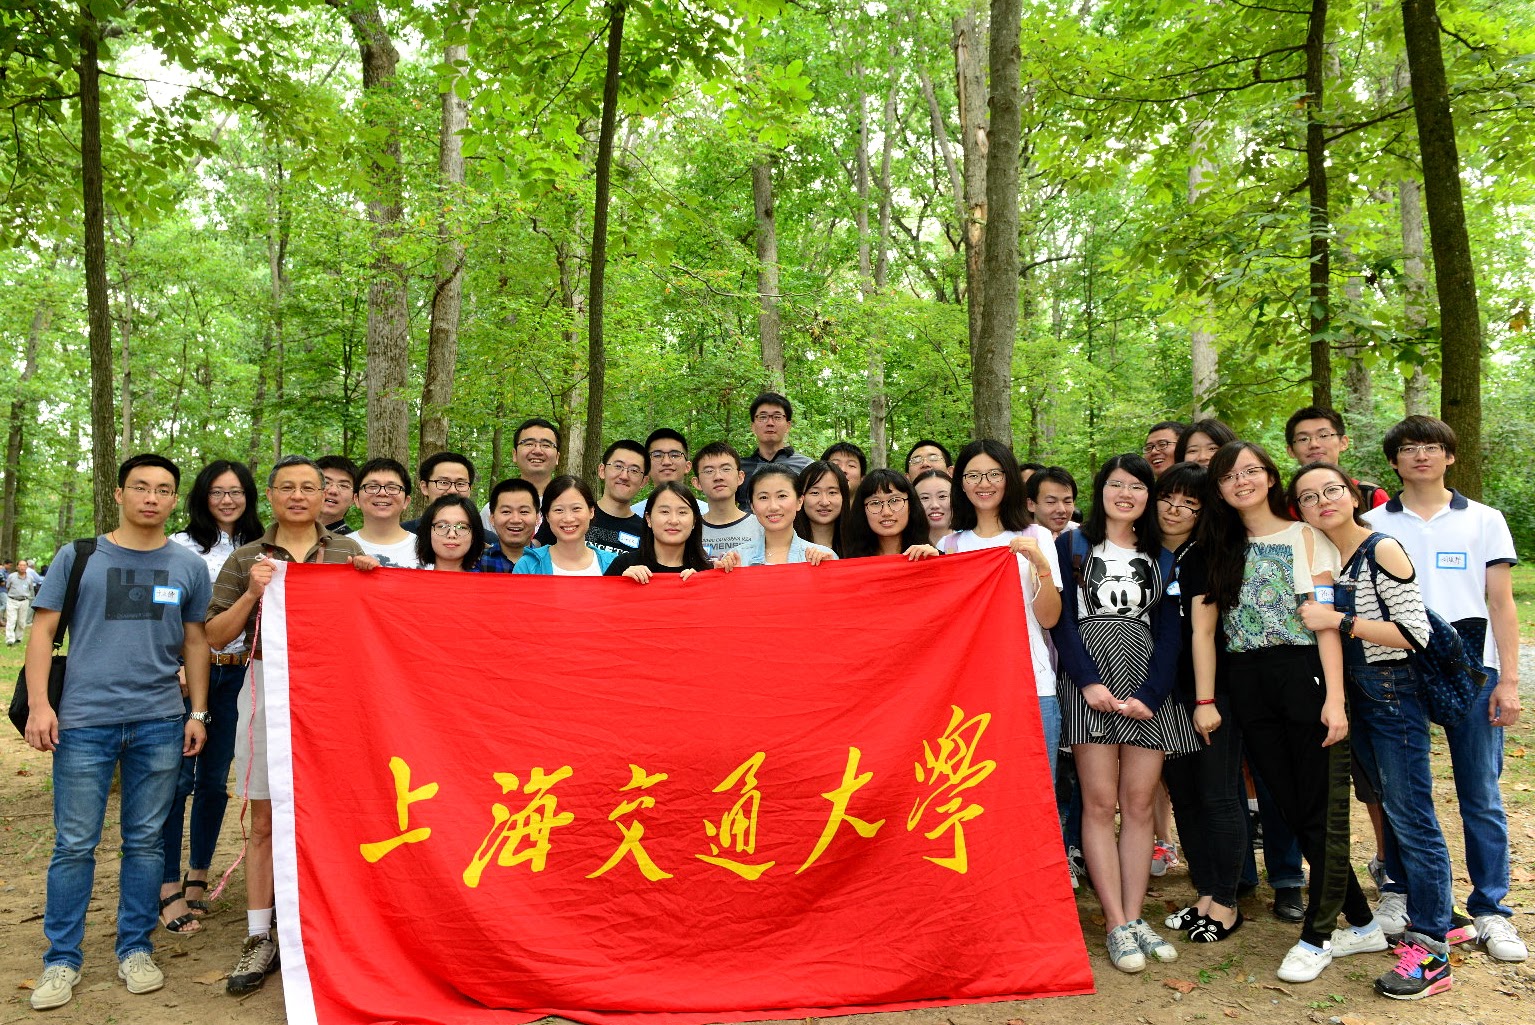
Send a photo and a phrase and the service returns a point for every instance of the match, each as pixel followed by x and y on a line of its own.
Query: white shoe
pixel 1500 938
pixel 1304 963
pixel 55 988
pixel 1391 913
pixel 140 972
pixel 1346 941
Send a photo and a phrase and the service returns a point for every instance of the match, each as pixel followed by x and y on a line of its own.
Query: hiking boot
pixel 258 959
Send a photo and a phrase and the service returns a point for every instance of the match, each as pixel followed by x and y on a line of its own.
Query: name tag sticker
pixel 1450 560
pixel 1323 594
pixel 1173 589
pixel 167 596
pixel 625 538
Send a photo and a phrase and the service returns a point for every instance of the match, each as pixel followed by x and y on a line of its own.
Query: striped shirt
pixel 234 578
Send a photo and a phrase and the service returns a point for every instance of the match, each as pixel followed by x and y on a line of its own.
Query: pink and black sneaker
pixel 1419 973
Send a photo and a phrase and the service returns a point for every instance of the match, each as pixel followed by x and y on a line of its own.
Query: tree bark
pixel 991 362
pixel 879 397
pixel 1416 400
pixel 448 290
pixel 98 313
pixel 975 144
pixel 1320 312
pixel 768 323
pixel 1356 374
pixel 596 350
pixel 388 332
pixel 277 290
pixel 23 408
pixel 1460 319
pixel 1202 355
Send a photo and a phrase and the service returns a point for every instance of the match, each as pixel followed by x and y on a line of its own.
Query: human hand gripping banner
pixel 781 792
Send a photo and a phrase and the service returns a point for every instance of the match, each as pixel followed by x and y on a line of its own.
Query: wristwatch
pixel 206 718
pixel 1346 627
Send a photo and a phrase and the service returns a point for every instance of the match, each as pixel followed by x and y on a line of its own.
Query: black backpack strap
pixel 85 547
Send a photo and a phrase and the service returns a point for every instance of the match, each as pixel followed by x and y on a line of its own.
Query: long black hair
pixel 1148 533
pixel 424 554
pixel 1014 510
pixel 1211 428
pixel 808 478
pixel 1222 535
pixel 693 555
pixel 202 528
pixel 858 538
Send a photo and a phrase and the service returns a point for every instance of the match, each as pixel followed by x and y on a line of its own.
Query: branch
pixel 1460 39
pixel 1366 124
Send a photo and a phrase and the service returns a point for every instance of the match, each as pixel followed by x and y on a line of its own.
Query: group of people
pixel 1200 615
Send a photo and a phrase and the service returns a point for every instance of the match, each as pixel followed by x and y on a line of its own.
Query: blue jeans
pixel 204 778
pixel 1050 722
pixel 149 756
pixel 1476 757
pixel 1390 730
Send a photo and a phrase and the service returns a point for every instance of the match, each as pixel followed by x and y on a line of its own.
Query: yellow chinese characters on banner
pixel 404 797
pixel 634 831
pixel 949 768
pixel 532 824
pixel 737 828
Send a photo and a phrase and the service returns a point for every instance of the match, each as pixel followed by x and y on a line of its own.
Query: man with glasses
pixel 295 491
pixel 536 451
pixel 772 416
pixel 1315 434
pixel 726 526
pixel 614 527
pixel 1160 442
pixel 668 451
pixel 340 482
pixel 1464 556
pixel 383 491
pixel 928 454
pixel 138 612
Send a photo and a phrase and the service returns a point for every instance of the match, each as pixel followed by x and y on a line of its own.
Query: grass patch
pixel 1524 600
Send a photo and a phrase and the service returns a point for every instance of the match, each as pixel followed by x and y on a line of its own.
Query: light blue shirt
pixel 754 553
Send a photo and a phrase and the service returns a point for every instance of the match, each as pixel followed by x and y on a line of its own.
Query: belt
pixel 234 658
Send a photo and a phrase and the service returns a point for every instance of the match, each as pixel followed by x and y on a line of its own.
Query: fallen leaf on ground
pixel 1517 752
pixel 1349 1019
pixel 1097 919
pixel 27 984
pixel 1230 1013
pixel 1181 985
pixel 209 978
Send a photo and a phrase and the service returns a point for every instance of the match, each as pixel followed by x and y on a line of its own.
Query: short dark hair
pixel 1421 429
pixel 1031 467
pixel 1013 512
pixel 847 448
pixel 1332 416
pixel 1051 475
pixel 512 484
pixel 1176 426
pixel 717 448
pixel 858 538
pixel 663 433
pixel 630 445
pixel 1211 428
pixel 1148 534
pixel 929 474
pixel 430 463
pixel 424 554
pixel 535 421
pixel 772 398
pixel 287 461
pixel 766 470
pixel 561 484
pixel 948 459
pixel 337 462
pixel 383 464
pixel 147 459
pixel 1182 479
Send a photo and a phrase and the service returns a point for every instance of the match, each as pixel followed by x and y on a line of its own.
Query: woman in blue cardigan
pixel 569 506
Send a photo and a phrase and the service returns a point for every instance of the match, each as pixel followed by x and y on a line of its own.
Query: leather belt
pixel 234 658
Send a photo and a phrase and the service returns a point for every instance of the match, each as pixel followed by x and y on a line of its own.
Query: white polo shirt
pixel 1451 551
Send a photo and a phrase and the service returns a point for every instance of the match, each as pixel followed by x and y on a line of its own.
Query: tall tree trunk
pixel 879 397
pixel 768 323
pixel 1460 319
pixel 22 410
pixel 1356 374
pixel 1202 354
pixel 125 357
pixel 596 349
pixel 975 144
pixel 448 290
pixel 1320 314
pixel 940 131
pixel 991 364
pixel 388 333
pixel 1416 400
pixel 98 313
pixel 277 290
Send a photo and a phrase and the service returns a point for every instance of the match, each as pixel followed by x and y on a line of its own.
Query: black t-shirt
pixel 617 566
pixel 1189 577
pixel 619 534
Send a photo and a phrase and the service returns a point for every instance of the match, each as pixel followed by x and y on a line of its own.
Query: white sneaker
pixel 140 972
pixel 1304 963
pixel 1500 938
pixel 1151 944
pixel 55 988
pixel 1391 912
pixel 1346 941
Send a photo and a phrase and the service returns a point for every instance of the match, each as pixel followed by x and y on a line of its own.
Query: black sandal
pixel 199 907
pixel 1208 930
pixel 182 923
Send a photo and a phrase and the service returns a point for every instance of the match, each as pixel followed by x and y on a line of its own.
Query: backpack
pixel 1451 674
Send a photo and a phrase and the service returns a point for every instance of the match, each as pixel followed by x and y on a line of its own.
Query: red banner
pixel 777 793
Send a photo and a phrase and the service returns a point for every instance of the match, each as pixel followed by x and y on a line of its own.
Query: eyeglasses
pixel 290 489
pixel 1158 446
pixel 543 443
pixel 625 470
pixel 1251 473
pixel 717 471
pixel 770 418
pixel 1319 436
pixel 1409 451
pixel 931 459
pixel 160 492
pixel 674 455
pixel 1135 488
pixel 1179 506
pixel 1332 492
pixel 338 483
pixel 444 484
pixel 383 489
pixel 976 476
pixel 220 495
pixel 895 503
pixel 450 529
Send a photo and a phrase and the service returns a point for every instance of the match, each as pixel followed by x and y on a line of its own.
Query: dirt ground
pixel 1227 981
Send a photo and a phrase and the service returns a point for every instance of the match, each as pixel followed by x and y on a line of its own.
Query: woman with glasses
pixel 221 516
pixel 450 536
pixel 1207 788
pixel 934 489
pixel 568 509
pixel 1118 645
pixel 1200 441
pixel 673 541
pixel 823 493
pixel 1286 685
pixel 884 519
pixel 1380 615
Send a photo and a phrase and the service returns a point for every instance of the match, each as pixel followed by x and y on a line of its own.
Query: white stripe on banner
pixel 297 993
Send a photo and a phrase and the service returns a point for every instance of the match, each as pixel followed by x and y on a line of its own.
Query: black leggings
pixel 1210 806
pixel 1276 696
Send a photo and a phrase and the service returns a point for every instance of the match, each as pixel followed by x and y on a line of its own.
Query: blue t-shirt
pixel 126 636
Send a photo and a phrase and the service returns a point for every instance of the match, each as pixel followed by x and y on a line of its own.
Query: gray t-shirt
pixel 126 636
pixel 727 538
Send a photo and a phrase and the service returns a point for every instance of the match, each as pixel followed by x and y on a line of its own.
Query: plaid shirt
pixel 494 560
pixel 234 578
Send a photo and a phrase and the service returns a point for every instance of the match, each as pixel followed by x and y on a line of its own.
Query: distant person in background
pixel 536 451
pixel 513 520
pixel 1315 434
pixel 340 482
pixel 1161 441
pixel 934 490
pixel 772 417
pixel 450 537
pixel 20 585
pixel 1027 470
pixel 823 496
pixel 443 473
pixel 848 458
pixel 1052 499
pixel 927 454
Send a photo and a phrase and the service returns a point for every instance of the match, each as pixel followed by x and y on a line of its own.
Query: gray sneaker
pixel 1124 950
pixel 1391 913
pixel 258 959
pixel 140 972
pixel 55 988
pixel 1500 938
pixel 1151 944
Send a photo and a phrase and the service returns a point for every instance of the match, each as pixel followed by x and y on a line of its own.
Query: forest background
pixel 384 227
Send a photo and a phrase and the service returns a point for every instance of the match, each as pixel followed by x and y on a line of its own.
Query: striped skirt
pixel 1121 648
